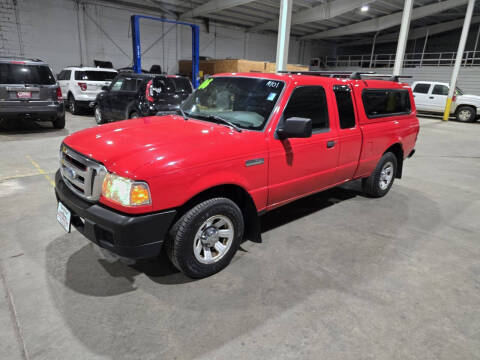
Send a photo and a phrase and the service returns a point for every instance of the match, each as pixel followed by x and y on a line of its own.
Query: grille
pixel 82 175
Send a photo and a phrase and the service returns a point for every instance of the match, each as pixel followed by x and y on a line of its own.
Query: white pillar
pixel 458 60
pixel 403 37
pixel 283 37
pixel 82 43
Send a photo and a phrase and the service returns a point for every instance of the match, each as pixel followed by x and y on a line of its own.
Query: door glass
pixel 130 84
pixel 421 88
pixel 117 85
pixel 440 90
pixel 346 112
pixel 309 102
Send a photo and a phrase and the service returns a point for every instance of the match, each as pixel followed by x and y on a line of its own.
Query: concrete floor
pixel 338 276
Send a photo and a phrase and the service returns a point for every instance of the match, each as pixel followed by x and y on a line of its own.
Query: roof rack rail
pixel 20 58
pixel 354 75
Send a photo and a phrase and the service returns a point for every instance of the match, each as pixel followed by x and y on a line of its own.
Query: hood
pixel 473 99
pixel 167 142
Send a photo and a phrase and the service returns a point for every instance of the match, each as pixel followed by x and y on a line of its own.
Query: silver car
pixel 29 90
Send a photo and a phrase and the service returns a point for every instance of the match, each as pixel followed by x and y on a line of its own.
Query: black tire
pixel 99 118
pixel 134 115
pixel 465 113
pixel 59 122
pixel 72 105
pixel 375 185
pixel 180 243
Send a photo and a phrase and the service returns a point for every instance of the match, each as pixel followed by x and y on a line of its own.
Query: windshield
pixel 245 102
pixel 95 75
pixel 26 74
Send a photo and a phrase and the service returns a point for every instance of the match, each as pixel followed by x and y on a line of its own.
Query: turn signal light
pixel 139 195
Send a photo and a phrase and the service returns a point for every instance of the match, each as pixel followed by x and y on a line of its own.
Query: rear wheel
pixel 466 113
pixel 72 105
pixel 205 239
pixel 134 115
pixel 381 180
pixel 59 122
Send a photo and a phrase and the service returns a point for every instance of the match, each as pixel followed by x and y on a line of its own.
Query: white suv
pixel 80 85
pixel 431 97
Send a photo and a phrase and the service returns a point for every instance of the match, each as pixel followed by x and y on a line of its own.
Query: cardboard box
pixel 211 67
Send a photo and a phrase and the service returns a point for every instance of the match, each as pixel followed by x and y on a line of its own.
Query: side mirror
pixel 295 127
pixel 105 88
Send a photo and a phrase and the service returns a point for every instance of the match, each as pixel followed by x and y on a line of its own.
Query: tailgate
pixel 19 95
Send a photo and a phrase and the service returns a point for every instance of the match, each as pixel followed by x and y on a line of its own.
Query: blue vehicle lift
pixel 137 54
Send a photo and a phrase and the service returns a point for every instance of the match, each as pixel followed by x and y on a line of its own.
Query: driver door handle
pixel 330 144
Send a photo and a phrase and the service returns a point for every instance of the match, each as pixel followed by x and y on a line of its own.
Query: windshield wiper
pixel 184 114
pixel 222 120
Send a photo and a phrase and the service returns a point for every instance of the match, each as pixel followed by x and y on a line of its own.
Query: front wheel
pixel 381 180
pixel 134 115
pixel 466 113
pixel 99 119
pixel 205 239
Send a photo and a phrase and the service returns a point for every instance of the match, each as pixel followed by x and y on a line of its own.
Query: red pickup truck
pixel 241 145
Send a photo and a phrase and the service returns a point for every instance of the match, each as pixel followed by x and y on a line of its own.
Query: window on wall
pixel 309 102
pixel 346 111
pixel 386 102
pixel 421 88
pixel 440 90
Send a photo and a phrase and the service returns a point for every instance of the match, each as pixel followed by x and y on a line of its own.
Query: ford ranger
pixel 242 144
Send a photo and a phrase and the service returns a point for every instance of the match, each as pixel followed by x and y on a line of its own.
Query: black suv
pixel 133 95
pixel 29 90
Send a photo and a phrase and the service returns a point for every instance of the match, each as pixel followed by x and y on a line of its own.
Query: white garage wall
pixel 51 30
pixel 468 79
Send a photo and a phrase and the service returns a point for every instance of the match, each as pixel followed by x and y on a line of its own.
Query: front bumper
pixel 48 112
pixel 130 236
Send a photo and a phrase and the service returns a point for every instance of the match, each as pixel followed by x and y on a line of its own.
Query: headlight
pixel 124 191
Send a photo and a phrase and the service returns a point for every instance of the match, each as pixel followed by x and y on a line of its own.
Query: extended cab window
pixel 421 88
pixel 346 112
pixel 309 102
pixel 386 102
pixel 440 90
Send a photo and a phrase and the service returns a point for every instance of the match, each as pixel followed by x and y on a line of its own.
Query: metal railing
pixel 470 58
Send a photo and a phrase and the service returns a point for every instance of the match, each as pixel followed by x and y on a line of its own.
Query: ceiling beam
pixel 417 33
pixel 321 12
pixel 385 22
pixel 213 6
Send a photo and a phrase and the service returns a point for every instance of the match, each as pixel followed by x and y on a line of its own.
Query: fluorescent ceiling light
pixel 364 8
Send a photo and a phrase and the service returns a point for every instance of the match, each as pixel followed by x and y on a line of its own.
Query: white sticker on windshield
pixel 271 96
pixel 272 84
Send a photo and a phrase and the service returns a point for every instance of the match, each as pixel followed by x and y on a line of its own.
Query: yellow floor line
pixel 41 171
pixel 18 176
